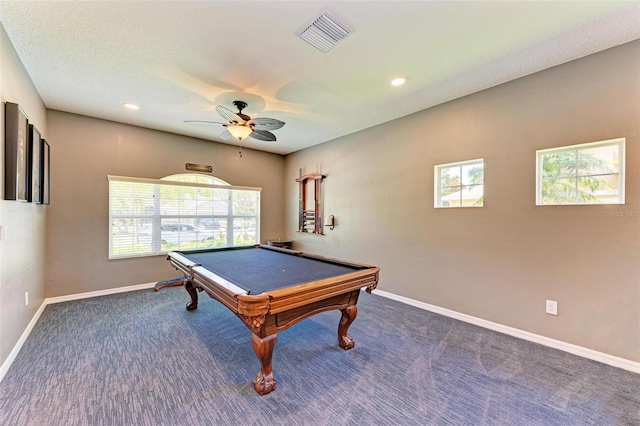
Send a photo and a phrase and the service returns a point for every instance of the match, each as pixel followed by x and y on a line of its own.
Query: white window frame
pixel 620 142
pixel 437 177
pixel 156 217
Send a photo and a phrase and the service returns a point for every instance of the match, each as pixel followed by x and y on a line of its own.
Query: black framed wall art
pixel 46 198
pixel 35 165
pixel 16 153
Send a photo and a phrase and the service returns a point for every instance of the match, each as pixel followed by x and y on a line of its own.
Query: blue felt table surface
pixel 260 270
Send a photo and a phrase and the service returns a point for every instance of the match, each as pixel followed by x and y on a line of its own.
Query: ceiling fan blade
pixel 229 115
pixel 267 123
pixel 226 136
pixel 263 135
pixel 204 122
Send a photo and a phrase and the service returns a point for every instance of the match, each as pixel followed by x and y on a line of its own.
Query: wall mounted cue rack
pixel 310 220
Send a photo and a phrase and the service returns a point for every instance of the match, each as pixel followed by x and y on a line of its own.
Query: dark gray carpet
pixel 140 359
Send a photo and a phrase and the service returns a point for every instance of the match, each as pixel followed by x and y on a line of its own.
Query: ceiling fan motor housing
pixel 241 105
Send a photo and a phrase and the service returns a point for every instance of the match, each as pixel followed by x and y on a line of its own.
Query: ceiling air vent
pixel 323 32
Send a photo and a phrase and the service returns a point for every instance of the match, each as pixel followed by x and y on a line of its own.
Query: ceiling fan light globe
pixel 239 132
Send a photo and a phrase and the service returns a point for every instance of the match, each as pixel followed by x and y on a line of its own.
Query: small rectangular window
pixel 591 173
pixel 459 184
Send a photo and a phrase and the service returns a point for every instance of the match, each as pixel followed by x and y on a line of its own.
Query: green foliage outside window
pixel 587 175
pixel 461 184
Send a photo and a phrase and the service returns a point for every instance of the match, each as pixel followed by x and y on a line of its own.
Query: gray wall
pixel 89 149
pixel 22 251
pixel 500 262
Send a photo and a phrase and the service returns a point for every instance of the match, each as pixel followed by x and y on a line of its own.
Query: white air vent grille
pixel 323 32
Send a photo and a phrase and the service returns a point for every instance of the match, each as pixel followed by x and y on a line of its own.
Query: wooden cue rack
pixel 310 220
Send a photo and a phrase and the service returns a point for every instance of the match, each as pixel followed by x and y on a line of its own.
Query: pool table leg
pixel 264 381
pixel 193 304
pixel 348 316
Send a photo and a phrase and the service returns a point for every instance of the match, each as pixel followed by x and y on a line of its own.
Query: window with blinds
pixel 181 212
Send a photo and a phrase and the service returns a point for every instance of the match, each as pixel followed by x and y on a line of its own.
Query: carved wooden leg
pixel 193 304
pixel 264 381
pixel 348 315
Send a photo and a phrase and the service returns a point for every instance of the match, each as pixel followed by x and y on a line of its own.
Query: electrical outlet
pixel 26 298
pixel 552 307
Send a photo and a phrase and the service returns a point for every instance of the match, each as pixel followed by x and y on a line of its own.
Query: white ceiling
pixel 179 59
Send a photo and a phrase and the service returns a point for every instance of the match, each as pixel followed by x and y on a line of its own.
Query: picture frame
pixel 46 190
pixel 35 164
pixel 16 154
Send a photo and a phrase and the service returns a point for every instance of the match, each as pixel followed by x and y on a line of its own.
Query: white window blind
pixel 150 217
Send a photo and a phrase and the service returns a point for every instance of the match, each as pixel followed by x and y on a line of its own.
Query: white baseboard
pixel 98 293
pixel 16 349
pixel 525 335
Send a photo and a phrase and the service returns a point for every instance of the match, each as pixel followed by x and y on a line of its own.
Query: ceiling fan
pixel 241 125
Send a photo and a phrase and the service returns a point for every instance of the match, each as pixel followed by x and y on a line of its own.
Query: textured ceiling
pixel 179 59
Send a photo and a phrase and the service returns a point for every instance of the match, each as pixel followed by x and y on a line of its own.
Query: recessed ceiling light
pixel 131 106
pixel 398 81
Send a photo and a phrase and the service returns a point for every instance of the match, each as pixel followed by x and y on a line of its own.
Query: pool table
pixel 270 289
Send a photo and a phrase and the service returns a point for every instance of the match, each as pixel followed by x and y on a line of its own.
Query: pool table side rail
pixel 302 294
pixel 225 292
pixel 287 318
pixel 335 261
pixel 327 259
pixel 313 256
